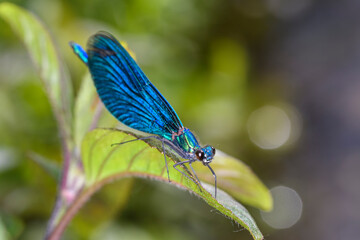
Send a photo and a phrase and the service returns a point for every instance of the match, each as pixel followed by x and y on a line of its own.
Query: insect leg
pixel 182 163
pixel 148 137
pixel 214 177
pixel 192 169
pixel 142 138
pixel 167 169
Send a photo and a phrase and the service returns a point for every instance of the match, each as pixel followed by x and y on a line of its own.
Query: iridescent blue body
pixel 130 97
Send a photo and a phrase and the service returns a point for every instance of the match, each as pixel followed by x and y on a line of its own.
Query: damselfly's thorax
pixel 187 141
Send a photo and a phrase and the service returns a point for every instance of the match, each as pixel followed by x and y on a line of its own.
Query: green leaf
pixel 89 111
pixel 43 53
pixel 237 179
pixel 3 232
pixel 86 105
pixel 49 166
pixel 87 221
pixel 10 226
pixel 104 163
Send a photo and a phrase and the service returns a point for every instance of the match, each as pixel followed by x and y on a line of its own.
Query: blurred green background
pixel 272 82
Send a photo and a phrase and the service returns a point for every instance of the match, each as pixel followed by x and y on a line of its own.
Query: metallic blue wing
pixel 126 91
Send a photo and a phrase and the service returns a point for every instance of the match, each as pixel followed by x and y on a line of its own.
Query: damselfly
pixel 130 97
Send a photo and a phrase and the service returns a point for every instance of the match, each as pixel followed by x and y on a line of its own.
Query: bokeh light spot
pixel 287 208
pixel 269 127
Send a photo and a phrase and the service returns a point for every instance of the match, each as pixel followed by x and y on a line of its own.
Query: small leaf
pixel 237 179
pixel 94 214
pixel 3 232
pixel 104 163
pixel 49 166
pixel 87 106
pixel 10 226
pixel 43 53
pixel 89 111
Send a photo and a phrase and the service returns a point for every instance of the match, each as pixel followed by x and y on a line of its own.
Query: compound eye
pixel 200 155
pixel 213 150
